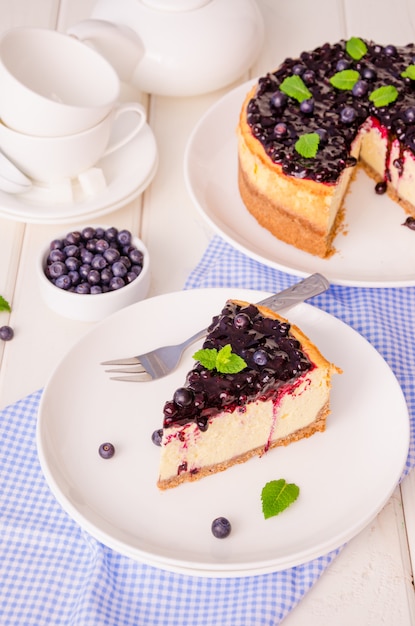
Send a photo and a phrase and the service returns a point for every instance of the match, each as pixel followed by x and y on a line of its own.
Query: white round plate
pixel 374 250
pixel 345 474
pixel 128 171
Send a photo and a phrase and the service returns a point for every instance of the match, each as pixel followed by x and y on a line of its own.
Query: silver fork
pixel 162 361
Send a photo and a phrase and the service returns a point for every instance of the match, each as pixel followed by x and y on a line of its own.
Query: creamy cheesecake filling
pixel 256 427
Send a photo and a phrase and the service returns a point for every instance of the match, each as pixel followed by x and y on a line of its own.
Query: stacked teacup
pixel 59 105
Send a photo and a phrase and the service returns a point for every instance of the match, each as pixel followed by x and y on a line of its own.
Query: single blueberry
pixel 119 269
pixel 279 99
pixel 124 237
pixel 157 436
pixel 57 269
pixel 221 527
pixel 183 396
pixel 6 333
pixel 106 450
pixel 307 106
pixel 360 88
pixel 63 282
pixel 348 115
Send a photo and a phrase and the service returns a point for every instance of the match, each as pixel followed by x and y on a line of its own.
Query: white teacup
pixel 51 84
pixel 52 159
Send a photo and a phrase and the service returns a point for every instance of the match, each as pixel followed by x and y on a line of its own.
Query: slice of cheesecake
pixel 276 391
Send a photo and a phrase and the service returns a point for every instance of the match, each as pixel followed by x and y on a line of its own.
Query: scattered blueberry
pixel 106 450
pixel 221 527
pixel 380 188
pixel 410 222
pixel 6 333
pixel 156 437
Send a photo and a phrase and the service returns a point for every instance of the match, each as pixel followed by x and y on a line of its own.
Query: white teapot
pixel 175 47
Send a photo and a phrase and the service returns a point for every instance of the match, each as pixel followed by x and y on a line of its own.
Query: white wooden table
pixel 371 582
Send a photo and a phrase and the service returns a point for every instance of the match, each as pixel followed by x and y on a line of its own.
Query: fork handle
pixel 311 286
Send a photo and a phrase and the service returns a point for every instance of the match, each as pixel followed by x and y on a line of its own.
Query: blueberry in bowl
pixel 90 272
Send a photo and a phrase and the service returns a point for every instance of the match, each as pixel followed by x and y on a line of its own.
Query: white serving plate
pixel 128 172
pixel 345 474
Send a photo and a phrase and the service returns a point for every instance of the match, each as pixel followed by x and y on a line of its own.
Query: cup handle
pixel 141 118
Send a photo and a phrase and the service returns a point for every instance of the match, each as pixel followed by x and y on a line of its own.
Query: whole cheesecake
pixel 277 392
pixel 304 127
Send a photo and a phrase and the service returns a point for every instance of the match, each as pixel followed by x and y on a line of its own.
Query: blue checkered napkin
pixel 53 573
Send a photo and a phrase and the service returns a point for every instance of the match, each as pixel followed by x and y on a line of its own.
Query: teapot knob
pixel 119 44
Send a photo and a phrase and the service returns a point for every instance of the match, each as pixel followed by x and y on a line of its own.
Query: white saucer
pixel 127 172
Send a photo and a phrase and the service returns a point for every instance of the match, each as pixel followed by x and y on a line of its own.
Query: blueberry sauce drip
pixel 277 120
pixel 272 354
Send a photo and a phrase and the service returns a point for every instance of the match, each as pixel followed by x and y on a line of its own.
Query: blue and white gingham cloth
pixel 52 572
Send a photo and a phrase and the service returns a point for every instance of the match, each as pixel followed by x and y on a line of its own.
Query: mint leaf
pixel 307 145
pixel 277 495
pixel 345 80
pixel 227 362
pixel 384 95
pixel 207 357
pixel 4 305
pixel 409 72
pixel 356 48
pixel 224 360
pixel 295 88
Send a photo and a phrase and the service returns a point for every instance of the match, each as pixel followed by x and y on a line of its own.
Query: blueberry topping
pixel 277 121
pixel 341 65
pixel 221 527
pixel 280 129
pixel 307 106
pixel 106 450
pixel 368 73
pixel 272 354
pixel 348 115
pixel 260 357
pixel 409 115
pixel 279 99
pixel 390 51
pixel 6 333
pixel 360 89
pixel 242 320
pixel 183 397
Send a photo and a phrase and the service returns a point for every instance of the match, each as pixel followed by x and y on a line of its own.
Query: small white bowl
pixel 92 307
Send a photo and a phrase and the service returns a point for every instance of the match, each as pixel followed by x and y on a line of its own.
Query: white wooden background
pixel 371 582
